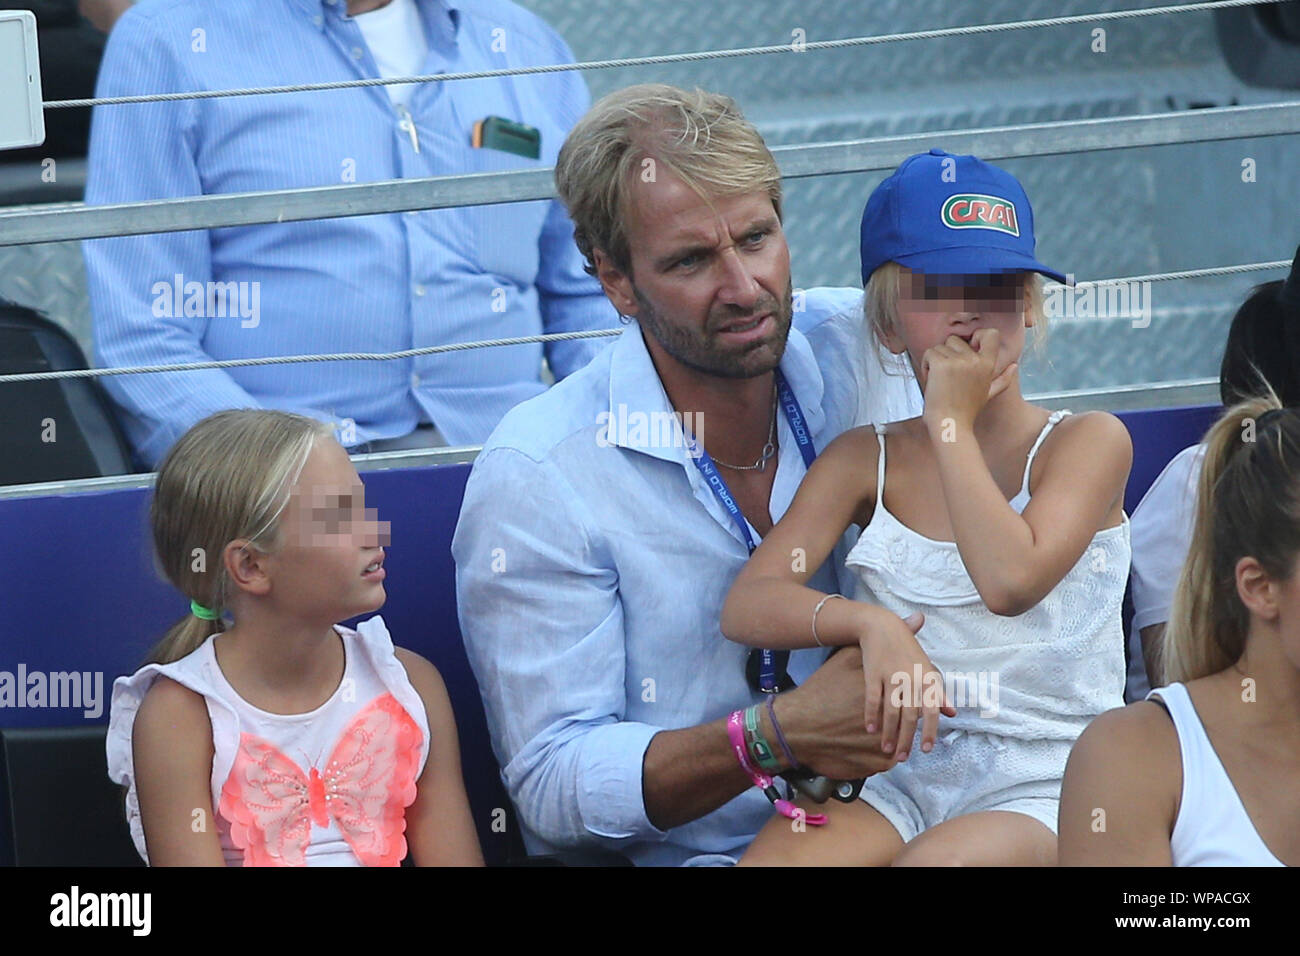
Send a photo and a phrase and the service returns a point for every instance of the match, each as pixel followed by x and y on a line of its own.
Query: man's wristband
pixel 736 736
pixel 758 746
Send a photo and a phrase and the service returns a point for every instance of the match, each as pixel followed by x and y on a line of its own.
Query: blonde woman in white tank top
pixel 1206 771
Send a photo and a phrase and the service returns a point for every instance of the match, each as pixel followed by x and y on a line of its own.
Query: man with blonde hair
pixel 595 549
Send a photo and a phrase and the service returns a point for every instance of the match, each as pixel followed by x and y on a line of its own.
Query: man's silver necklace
pixel 768 450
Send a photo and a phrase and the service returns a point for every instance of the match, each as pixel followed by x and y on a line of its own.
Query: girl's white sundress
pixel 1025 686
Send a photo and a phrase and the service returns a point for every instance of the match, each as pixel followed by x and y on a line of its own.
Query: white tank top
pixel 272 772
pixel 1043 674
pixel 1213 828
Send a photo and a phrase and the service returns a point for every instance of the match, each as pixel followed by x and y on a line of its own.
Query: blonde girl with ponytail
pixel 1206 771
pixel 261 732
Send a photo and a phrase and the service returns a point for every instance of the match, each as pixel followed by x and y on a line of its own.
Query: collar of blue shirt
pixel 443 15
pixel 634 386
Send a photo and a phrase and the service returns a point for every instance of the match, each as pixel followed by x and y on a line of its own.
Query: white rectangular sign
pixel 22 121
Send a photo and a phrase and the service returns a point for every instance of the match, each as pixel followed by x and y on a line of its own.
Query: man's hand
pixel 690 772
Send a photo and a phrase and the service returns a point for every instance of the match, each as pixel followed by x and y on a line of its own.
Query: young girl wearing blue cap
pixel 1001 523
pixel 283 738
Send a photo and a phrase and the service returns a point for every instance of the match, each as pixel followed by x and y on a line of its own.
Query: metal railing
pixel 1126 398
pixel 77 221
pixel 25 226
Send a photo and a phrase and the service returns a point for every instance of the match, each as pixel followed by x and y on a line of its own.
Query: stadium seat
pixel 60 806
pixel 58 429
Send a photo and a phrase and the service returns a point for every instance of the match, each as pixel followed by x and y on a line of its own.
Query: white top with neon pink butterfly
pixel 324 788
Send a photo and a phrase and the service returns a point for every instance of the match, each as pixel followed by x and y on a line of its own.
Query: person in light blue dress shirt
pixel 593 559
pixel 369 283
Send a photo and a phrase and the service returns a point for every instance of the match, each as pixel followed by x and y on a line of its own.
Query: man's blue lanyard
pixel 767 678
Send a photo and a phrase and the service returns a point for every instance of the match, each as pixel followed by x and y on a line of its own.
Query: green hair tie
pixel 199 611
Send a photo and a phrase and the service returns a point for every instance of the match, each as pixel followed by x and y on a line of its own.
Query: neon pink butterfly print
pixel 367 785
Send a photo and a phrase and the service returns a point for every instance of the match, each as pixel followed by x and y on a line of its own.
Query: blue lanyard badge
pixel 769 659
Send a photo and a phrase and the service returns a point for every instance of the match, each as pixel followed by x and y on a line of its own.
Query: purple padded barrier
pixel 80 593
pixel 1158 435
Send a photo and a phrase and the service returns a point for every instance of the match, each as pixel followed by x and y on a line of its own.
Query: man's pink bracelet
pixel 736 734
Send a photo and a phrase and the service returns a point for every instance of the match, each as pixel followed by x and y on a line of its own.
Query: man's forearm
pixel 691 772
pixel 688 773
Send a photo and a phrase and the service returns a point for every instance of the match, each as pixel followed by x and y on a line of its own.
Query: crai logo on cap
pixel 974 211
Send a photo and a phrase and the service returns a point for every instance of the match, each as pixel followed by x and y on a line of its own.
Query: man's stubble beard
pixel 695 351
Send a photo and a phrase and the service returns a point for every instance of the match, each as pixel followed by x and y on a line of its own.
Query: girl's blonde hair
pixel 1247 504
pixel 880 302
pixel 228 477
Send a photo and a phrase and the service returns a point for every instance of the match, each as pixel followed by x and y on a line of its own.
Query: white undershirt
pixel 395 35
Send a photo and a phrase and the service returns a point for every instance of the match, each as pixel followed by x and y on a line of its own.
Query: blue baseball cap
pixel 950 215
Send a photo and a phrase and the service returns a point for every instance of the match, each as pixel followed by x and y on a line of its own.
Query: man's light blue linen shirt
pixel 590 579
pixel 368 283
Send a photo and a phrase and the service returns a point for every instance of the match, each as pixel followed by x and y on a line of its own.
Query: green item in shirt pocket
pixel 494 132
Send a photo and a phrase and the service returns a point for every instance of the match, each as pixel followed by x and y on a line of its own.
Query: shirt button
pixel 318 19
pixel 419 290
pixel 412 212
pixel 415 380
pixel 357 53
